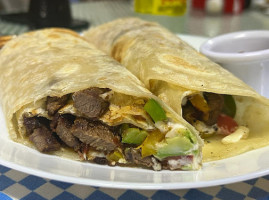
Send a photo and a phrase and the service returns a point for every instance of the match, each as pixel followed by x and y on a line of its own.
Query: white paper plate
pixel 243 167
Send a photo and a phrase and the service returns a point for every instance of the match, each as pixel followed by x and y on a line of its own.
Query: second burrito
pixel 230 116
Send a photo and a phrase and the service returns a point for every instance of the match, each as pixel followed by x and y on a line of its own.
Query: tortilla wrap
pixel 57 65
pixel 173 70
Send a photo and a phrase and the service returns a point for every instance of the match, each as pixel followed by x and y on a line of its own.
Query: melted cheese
pixel 240 133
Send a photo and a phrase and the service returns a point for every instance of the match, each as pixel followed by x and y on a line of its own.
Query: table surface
pixel 19 185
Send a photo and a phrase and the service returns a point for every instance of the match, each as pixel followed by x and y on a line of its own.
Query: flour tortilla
pixel 55 62
pixel 172 69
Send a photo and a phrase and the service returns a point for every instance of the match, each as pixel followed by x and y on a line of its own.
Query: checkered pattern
pixel 17 185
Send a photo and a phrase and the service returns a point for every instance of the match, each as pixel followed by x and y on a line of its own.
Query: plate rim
pixel 136 185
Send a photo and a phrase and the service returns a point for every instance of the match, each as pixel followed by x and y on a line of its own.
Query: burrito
pixel 229 115
pixel 63 97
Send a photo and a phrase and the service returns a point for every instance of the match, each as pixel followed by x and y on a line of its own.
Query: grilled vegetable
pixel 154 109
pixel 134 136
pixel 229 106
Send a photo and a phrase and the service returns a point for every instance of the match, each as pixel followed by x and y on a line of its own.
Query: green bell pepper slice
pixel 154 109
pixel 134 136
pixel 229 105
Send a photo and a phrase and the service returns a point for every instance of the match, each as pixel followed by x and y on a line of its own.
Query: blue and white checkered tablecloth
pixel 17 185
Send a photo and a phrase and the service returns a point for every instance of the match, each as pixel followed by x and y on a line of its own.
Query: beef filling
pixel 70 131
pixel 80 133
pixel 89 103
pixel 63 130
pixel 190 113
pixel 215 103
pixel 134 156
pixel 55 103
pixel 30 124
pixel 95 134
pixel 100 160
pixel 44 140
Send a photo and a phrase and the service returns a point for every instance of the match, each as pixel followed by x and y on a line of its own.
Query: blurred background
pixel 196 17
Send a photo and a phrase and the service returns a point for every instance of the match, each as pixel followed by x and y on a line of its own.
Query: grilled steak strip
pixel 55 103
pixel 215 103
pixel 190 113
pixel 63 130
pixel 134 156
pixel 95 134
pixel 44 140
pixel 89 103
pixel 100 160
pixel 30 124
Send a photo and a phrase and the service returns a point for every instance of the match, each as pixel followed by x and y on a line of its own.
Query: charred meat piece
pixel 31 123
pixel 190 113
pixel 44 140
pixel 63 130
pixel 215 103
pixel 96 134
pixel 89 103
pixel 54 122
pixel 134 156
pixel 55 103
pixel 100 160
